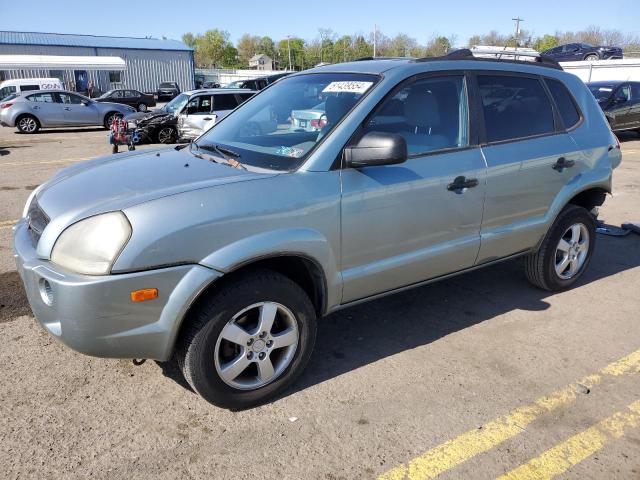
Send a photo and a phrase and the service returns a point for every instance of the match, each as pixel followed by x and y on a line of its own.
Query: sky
pixel 419 19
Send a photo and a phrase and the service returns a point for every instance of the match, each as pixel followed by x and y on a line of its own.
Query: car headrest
pixel 336 107
pixel 421 109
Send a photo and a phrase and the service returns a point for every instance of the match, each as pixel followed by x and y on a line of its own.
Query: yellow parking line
pixel 26 164
pixel 8 223
pixel 460 449
pixel 565 455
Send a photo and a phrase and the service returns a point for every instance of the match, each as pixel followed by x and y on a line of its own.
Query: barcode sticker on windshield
pixel 351 87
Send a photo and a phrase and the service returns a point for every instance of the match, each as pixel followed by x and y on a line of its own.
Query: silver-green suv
pixel 223 253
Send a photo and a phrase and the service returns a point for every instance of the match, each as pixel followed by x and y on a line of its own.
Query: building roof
pixel 257 57
pixel 72 40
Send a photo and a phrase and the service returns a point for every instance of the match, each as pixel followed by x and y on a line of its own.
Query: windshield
pixel 176 105
pixel 235 84
pixel 278 128
pixel 167 85
pixel 601 92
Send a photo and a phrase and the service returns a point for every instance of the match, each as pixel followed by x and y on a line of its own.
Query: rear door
pixel 132 97
pixel 47 108
pixel 620 106
pixel 223 104
pixel 530 158
pixel 402 224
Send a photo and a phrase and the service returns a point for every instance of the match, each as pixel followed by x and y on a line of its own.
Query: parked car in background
pixel 168 91
pixel 31 111
pixel 620 102
pixel 26 84
pixel 224 253
pixel 162 125
pixel 204 109
pixel 210 85
pixel 573 52
pixel 140 101
pixel 257 83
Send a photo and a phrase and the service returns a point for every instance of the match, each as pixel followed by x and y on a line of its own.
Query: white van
pixel 23 84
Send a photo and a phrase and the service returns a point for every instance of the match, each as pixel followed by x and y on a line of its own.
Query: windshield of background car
pixel 601 92
pixel 167 85
pixel 278 128
pixel 177 104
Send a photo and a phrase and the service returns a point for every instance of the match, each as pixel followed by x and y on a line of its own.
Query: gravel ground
pixel 388 381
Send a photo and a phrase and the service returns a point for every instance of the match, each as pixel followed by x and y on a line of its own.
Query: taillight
pixel 321 123
pixel 5 105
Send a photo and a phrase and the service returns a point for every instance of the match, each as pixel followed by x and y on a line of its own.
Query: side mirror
pixel 376 148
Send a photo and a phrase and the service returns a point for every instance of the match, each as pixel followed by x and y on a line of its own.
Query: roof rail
pixel 363 59
pixel 467 54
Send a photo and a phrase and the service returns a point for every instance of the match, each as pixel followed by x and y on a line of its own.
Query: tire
pixel 166 135
pixel 202 352
pixel 108 118
pixel 27 124
pixel 592 57
pixel 142 107
pixel 542 268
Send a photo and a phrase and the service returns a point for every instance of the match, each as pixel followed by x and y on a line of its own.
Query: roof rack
pixel 467 54
pixel 363 59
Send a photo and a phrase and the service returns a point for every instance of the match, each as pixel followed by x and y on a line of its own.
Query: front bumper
pixel 95 315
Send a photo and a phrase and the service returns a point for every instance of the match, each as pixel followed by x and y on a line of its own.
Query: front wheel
pixel 108 120
pixel 592 57
pixel 248 342
pixel 565 252
pixel 166 135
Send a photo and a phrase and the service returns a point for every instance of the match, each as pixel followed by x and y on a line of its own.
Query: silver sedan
pixel 30 111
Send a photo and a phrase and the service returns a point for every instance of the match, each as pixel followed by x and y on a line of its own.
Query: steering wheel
pixel 250 129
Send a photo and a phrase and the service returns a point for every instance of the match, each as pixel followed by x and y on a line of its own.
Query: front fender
pixel 302 242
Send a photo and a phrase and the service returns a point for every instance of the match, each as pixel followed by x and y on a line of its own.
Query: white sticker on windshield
pixel 351 87
pixel 605 89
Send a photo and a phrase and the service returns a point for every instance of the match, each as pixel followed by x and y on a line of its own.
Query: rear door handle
pixel 563 163
pixel 36 107
pixel 67 108
pixel 460 183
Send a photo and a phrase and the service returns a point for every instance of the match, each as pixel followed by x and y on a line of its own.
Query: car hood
pixel 146 115
pixel 120 181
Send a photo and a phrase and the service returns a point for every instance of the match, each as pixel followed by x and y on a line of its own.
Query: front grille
pixel 38 220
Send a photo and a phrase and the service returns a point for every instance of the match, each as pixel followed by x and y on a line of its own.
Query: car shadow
pixel 6 149
pixel 365 333
pixel 13 299
pixel 48 131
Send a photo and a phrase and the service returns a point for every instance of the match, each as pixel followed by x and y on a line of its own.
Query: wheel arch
pixel 28 114
pixel 590 198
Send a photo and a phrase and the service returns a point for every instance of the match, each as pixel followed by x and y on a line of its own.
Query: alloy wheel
pixel 28 124
pixel 256 346
pixel 572 251
pixel 165 135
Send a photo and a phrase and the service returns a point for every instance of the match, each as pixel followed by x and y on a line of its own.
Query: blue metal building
pixel 148 61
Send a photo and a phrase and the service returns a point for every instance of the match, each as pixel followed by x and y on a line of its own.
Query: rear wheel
pixel 565 252
pixel 28 124
pixel 166 135
pixel 248 342
pixel 142 107
pixel 108 119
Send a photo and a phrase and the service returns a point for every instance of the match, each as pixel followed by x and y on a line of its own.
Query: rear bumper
pixel 94 315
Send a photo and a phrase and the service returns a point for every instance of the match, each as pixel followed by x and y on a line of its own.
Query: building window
pixel 114 77
pixel 59 74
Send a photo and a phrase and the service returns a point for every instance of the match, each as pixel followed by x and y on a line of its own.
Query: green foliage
pixel 545 42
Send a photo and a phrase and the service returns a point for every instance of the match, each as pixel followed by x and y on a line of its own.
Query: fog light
pixel 46 292
pixel 144 294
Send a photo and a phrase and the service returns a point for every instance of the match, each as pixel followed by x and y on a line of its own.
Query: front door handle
pixel 461 182
pixel 207 118
pixel 36 107
pixel 563 163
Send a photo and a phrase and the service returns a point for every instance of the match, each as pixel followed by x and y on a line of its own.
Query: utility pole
pixel 289 48
pixel 517 20
pixel 375 32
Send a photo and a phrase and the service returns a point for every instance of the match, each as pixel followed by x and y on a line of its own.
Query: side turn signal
pixel 144 294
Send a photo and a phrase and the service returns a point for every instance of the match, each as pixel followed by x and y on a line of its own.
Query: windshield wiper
pixel 223 152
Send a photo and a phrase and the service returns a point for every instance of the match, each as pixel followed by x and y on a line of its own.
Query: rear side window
pixel 564 102
pixel 514 107
pixel 225 102
pixel 42 97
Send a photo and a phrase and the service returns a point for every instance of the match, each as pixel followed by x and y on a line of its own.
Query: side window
pixel 26 88
pixel 6 91
pixel 514 107
pixel 116 94
pixel 200 104
pixel 42 97
pixel 564 102
pixel 431 114
pixel 69 98
pixel 244 97
pixel 225 102
pixel 623 94
pixel 635 91
pixel 131 94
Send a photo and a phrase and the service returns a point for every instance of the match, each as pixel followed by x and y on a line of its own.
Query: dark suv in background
pixel 168 91
pixel 574 52
pixel 620 102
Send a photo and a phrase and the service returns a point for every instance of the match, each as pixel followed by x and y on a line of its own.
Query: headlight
pixel 91 246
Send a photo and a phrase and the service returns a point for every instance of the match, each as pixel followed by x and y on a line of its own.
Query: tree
pixel 545 42
pixel 437 47
pixel 248 46
pixel 212 48
pixel 189 40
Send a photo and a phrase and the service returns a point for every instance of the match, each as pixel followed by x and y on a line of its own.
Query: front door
pixel 196 114
pixel 78 111
pixel 529 156
pixel 402 224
